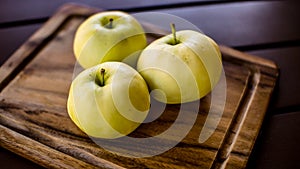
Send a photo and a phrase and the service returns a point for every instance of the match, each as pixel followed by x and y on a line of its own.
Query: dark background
pixel 269 29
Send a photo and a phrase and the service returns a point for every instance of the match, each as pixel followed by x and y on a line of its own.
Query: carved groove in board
pixel 238 121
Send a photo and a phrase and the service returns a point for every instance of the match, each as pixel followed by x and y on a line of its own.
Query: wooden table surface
pixel 269 29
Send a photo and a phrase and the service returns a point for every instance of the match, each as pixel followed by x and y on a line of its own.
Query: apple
pixel 181 67
pixel 109 100
pixel 108 36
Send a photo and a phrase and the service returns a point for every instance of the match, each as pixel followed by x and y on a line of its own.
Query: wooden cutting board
pixel 34 123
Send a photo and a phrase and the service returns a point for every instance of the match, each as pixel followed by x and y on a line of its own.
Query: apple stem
pixel 110 25
pixel 100 77
pixel 174 33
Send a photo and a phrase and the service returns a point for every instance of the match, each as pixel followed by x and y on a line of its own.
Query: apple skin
pixel 95 43
pixel 113 110
pixel 181 72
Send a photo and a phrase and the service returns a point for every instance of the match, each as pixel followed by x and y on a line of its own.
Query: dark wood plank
pixel 252 22
pixel 245 23
pixel 32 9
pixel 278 145
pixel 287 96
pixel 13 38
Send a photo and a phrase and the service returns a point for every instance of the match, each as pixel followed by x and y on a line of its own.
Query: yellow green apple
pixel 108 36
pixel 109 100
pixel 181 67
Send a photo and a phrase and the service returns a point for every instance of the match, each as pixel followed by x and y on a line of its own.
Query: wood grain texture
pixel 35 82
